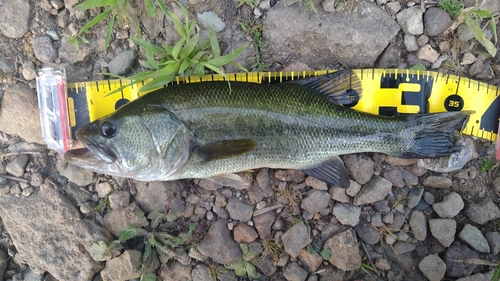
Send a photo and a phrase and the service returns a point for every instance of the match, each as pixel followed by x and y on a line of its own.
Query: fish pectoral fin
pixel 232 180
pixel 342 87
pixel 225 149
pixel 332 172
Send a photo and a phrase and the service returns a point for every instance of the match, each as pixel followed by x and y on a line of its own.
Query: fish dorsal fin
pixel 225 149
pixel 232 180
pixel 342 87
pixel 332 172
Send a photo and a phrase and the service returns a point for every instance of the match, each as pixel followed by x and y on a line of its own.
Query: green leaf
pixel 480 36
pixel 178 25
pixel 157 83
pixel 252 271
pixel 214 43
pixel 223 60
pixel 89 4
pixel 150 8
pixel 241 271
pixel 98 250
pixel 156 218
pixel 496 274
pixel 189 47
pixel 199 70
pixel 150 57
pixel 130 232
pixel 184 65
pixel 326 254
pixel 95 21
pixel 148 277
pixel 177 48
pixel 109 31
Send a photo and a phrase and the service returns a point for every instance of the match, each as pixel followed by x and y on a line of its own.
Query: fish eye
pixel 108 130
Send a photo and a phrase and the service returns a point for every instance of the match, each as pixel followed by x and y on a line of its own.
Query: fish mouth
pixel 91 151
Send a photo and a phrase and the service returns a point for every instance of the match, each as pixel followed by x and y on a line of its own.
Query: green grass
pixel 452 7
pixel 254 30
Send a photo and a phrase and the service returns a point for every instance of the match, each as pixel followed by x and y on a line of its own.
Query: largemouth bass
pixel 211 130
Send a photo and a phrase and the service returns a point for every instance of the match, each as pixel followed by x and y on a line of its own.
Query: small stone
pixel 310 260
pixel 451 205
pixel 265 4
pixel 244 233
pixel 483 212
pixel 437 64
pixel 388 218
pixel 263 224
pixel 436 21
pixel 316 184
pixel 293 272
pixel 376 220
pixel 119 219
pixel 414 197
pixel 401 248
pixel 347 214
pixel 427 53
pixel 77 175
pixel 103 189
pixel 382 264
pixel 390 57
pixel 393 7
pixel 422 40
pixel 339 194
pixel 122 63
pixel 329 6
pixel 263 178
pixel 27 191
pixel 488 276
pixel 355 187
pixel 345 250
pixel 219 245
pixel 16 167
pixel 432 267
pixel 57 4
pixel 395 176
pixel 493 238
pixel 201 272
pixel 395 161
pixel 7 67
pixel 296 238
pixel 160 196
pixel 63 18
pixel 43 49
pixel 124 267
pixel 443 230
pixel 410 41
pixel 290 175
pixel 409 178
pixel 437 182
pixel 29 72
pixel 382 206
pixel 411 21
pixel 266 265
pixel 474 238
pixel 418 224
pixel 119 199
pixel 374 190
pixel 3 263
pixel 429 198
pixel 210 19
pixel 239 210
pixel 481 68
pixel 468 58
pixel 453 258
pixel 14 18
pixel 367 233
pixel 315 202
pixel 360 166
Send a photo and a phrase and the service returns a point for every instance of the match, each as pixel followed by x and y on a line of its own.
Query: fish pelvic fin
pixel 342 87
pixel 232 180
pixel 435 134
pixel 225 149
pixel 332 172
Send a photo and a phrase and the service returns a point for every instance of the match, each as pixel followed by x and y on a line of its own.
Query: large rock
pixel 219 245
pixel 354 39
pixel 374 190
pixel 482 212
pixel 160 196
pixel 20 100
pixel 41 228
pixel 451 205
pixel 125 267
pixel 14 18
pixel 296 238
pixel 432 267
pixel 345 250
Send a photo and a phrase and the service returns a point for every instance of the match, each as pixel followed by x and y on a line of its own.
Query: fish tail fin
pixel 435 134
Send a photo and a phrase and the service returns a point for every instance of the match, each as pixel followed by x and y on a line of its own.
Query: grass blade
pixel 150 8
pixel 189 47
pixel 109 31
pixel 220 61
pixel 89 4
pixel 177 48
pixel 95 20
pixel 214 43
pixel 480 36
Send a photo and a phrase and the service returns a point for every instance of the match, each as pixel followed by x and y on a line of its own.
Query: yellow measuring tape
pixel 384 92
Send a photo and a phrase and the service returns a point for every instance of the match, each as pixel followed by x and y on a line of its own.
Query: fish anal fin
pixel 342 87
pixel 225 149
pixel 332 172
pixel 232 180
